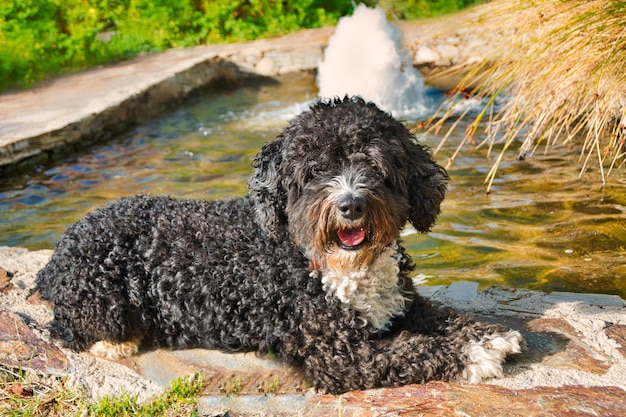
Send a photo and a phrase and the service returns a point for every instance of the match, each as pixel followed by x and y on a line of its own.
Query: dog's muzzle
pixel 351 208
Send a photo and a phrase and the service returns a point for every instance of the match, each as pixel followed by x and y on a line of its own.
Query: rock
pixel 266 66
pixel 224 373
pixel 564 347
pixel 23 265
pixel 594 299
pixel 5 280
pixel 617 332
pixel 428 291
pixel 462 291
pixel 21 348
pixel 440 399
pixel 257 405
pixel 35 299
pixel 449 53
pixel 425 55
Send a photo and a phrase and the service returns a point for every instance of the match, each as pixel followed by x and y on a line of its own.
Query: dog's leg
pixel 115 351
pixel 343 365
pixel 487 355
pixel 485 345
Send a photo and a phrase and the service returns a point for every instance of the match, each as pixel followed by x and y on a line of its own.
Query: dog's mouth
pixel 351 239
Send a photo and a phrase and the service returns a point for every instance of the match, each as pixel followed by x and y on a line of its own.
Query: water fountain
pixel 365 57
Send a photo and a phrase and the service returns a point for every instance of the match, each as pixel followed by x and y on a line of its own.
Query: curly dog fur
pixel 308 266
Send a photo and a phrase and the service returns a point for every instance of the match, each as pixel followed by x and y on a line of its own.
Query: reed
pixel 558 71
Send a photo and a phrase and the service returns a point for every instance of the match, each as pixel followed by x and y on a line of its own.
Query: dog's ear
pixel 427 187
pixel 266 189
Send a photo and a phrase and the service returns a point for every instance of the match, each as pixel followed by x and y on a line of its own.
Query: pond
pixel 541 227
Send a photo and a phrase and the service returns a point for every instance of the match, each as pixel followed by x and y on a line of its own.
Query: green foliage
pixel 227 20
pixel 415 9
pixel 179 399
pixel 42 38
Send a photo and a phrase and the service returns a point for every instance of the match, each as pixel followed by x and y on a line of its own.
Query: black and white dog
pixel 308 266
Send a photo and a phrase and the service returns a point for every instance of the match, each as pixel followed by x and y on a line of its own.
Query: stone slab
pixel 462 291
pixel 574 365
pixel 439 399
pixel 96 105
pixel 617 332
pixel 595 299
pixel 21 348
pixel 224 373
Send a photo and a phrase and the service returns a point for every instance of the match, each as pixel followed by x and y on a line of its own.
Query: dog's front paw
pixel 485 357
pixel 115 351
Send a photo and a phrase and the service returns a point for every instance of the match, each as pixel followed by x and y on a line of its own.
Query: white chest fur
pixel 371 290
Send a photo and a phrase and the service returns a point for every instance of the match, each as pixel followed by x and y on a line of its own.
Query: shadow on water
pixel 540 228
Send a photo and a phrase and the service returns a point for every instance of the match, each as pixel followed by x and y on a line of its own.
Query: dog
pixel 308 266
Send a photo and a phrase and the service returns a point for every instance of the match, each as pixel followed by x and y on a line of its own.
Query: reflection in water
pixel 540 228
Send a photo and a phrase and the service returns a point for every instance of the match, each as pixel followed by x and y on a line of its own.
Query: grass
pixel 30 396
pixel 418 9
pixel 178 400
pixel 556 78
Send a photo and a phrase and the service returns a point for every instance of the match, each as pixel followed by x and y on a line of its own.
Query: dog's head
pixel 345 177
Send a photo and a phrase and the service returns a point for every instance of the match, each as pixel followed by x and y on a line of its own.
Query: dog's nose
pixel 351 207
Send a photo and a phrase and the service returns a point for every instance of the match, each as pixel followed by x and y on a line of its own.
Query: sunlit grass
pixel 178 400
pixel 560 68
pixel 27 395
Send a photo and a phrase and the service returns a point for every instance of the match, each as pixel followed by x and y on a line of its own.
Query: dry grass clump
pixel 560 66
pixel 28 395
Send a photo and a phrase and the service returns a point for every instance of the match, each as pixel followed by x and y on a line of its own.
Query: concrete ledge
pixel 59 117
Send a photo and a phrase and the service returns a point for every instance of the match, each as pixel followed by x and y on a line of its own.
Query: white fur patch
pixel 351 182
pixel 372 290
pixel 115 351
pixel 487 355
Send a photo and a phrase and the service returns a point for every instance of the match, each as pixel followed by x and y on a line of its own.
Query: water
pixel 365 57
pixel 540 228
pixel 201 150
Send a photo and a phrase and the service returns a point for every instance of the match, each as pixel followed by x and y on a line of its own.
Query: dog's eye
pixel 389 184
pixel 305 177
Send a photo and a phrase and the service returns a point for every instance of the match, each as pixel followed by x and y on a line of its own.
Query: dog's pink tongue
pixel 351 237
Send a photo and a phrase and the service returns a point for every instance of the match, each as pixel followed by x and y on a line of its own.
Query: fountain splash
pixel 365 57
